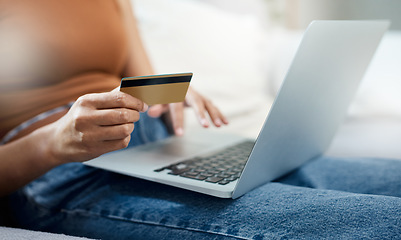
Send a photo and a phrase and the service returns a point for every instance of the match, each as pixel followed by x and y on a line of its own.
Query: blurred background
pixel 298 13
pixel 240 50
pixel 295 14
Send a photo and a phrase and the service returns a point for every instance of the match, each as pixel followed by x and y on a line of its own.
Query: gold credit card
pixel 157 89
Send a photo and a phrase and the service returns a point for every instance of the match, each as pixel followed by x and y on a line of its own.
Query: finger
pixel 202 105
pixel 113 145
pixel 224 119
pixel 106 117
pixel 114 99
pixel 199 108
pixel 196 101
pixel 215 115
pixel 177 117
pixel 116 132
pixel 106 139
pixel 156 111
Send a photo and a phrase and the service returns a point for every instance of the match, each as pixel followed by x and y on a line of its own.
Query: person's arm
pixel 139 65
pixel 24 160
pixel 95 124
pixel 138 62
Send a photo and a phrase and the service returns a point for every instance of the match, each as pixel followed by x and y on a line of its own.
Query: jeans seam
pixel 87 213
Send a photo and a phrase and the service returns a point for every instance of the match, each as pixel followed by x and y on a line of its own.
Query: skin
pixel 95 124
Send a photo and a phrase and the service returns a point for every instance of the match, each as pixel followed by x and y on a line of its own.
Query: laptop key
pixel 198 177
pixel 191 173
pixel 223 175
pixel 223 182
pixel 214 171
pixel 176 171
pixel 214 179
pixel 231 179
pixel 160 169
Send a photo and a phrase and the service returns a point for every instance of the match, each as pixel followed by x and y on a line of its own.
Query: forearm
pixel 138 63
pixel 24 160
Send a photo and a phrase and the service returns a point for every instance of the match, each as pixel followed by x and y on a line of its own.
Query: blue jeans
pixel 326 198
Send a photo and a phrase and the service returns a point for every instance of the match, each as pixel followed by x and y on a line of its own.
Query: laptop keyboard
pixel 221 167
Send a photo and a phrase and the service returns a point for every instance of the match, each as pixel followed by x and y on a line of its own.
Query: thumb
pixel 156 111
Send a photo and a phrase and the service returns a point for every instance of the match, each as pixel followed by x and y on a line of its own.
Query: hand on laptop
pixel 200 104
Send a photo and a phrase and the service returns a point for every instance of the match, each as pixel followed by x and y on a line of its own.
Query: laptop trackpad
pixel 188 145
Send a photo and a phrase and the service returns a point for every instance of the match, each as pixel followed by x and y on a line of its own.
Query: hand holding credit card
pixel 157 89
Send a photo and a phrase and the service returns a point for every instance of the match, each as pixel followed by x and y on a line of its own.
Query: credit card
pixel 157 89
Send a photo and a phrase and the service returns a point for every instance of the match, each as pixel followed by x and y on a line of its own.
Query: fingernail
pixel 179 131
pixel 218 122
pixel 145 107
pixel 204 122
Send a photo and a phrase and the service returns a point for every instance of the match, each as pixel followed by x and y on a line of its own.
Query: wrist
pixel 44 142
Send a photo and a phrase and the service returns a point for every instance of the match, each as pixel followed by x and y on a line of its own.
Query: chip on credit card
pixel 157 89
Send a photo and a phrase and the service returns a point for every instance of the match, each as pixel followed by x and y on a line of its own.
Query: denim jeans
pixel 327 198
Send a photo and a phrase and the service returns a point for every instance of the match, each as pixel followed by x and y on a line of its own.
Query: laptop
pixel 311 104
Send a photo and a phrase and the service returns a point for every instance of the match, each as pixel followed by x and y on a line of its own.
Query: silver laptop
pixel 311 104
